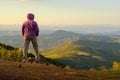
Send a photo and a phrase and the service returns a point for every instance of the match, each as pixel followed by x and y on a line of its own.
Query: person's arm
pixel 23 29
pixel 36 29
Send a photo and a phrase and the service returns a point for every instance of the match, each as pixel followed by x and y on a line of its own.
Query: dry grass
pixel 12 71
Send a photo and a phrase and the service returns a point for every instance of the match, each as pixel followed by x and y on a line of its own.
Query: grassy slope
pixel 11 71
pixel 80 53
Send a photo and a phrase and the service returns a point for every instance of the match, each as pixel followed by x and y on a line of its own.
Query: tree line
pixel 10 53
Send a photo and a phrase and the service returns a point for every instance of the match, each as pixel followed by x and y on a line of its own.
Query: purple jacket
pixel 30 27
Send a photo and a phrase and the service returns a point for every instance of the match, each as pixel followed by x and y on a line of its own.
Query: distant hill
pixel 64 34
pixel 44 40
pixel 9 33
pixel 85 54
pixel 52 39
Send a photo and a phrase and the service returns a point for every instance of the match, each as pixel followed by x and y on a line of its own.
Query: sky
pixel 61 12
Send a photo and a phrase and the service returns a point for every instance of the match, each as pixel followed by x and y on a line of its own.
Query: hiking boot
pixel 24 60
pixel 37 60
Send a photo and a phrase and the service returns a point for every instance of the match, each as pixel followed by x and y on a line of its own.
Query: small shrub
pixel 67 67
pixel 93 69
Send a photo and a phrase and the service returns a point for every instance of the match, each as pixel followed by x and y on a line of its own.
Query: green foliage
pixel 10 53
pixel 85 54
pixel 30 60
pixel 116 66
pixel 55 62
pixel 67 67
pixel 65 50
pixel 7 47
pixel 31 57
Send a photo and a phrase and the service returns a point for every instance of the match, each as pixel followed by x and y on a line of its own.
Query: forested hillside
pixel 73 49
pixel 10 53
pixel 85 54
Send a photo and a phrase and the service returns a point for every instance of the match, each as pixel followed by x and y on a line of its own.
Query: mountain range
pixel 80 51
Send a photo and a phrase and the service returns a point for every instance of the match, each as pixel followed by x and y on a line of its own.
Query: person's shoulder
pixel 35 21
pixel 25 22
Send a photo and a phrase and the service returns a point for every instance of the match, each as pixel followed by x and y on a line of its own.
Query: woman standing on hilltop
pixel 30 31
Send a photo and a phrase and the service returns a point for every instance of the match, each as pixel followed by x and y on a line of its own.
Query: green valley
pixel 85 54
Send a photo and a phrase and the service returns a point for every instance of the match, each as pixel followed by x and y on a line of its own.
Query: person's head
pixel 30 16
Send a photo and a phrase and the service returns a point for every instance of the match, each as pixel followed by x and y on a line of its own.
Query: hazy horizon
pixel 74 28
